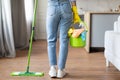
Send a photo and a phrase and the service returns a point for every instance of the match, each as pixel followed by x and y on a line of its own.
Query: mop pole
pixel 32 33
pixel 27 73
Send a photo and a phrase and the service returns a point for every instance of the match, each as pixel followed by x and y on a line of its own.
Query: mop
pixel 27 72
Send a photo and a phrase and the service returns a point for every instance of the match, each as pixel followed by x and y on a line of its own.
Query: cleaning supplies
pixel 77 32
pixel 27 72
pixel 70 31
pixel 78 36
pixel 79 41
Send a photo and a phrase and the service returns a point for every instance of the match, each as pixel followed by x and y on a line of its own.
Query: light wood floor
pixel 80 65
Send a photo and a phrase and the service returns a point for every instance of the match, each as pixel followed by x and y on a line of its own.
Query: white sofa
pixel 112 45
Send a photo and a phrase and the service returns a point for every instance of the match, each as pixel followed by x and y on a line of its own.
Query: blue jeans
pixel 59 16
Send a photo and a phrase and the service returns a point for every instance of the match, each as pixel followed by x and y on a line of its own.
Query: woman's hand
pixel 76 18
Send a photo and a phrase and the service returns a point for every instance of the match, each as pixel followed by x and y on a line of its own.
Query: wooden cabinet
pixel 98 23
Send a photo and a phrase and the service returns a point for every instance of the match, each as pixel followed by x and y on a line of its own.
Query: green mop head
pixel 39 74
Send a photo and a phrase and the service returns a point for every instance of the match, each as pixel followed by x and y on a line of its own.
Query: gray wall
pixel 99 24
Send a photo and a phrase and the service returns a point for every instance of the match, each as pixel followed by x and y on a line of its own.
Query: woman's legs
pixel 65 23
pixel 63 52
pixel 52 28
pixel 58 15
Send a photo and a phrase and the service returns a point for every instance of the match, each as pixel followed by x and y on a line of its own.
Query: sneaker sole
pixel 53 76
pixel 59 77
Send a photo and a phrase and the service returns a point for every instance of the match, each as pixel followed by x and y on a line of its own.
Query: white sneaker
pixel 52 72
pixel 61 73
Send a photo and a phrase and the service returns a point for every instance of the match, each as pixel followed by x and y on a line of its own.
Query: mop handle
pixel 32 33
pixel 34 15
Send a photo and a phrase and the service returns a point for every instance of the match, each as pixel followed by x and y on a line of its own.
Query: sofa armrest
pixel 111 36
pixel 112 42
pixel 107 38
